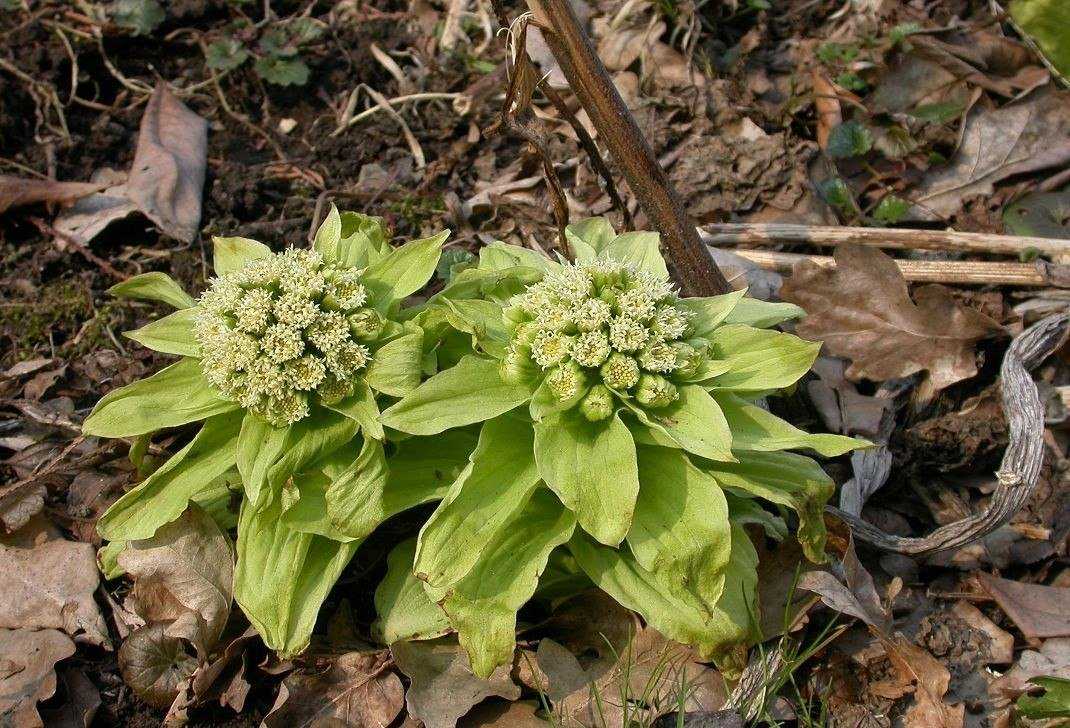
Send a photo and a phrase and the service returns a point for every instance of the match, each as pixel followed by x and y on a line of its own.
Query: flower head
pixel 282 329
pixel 605 325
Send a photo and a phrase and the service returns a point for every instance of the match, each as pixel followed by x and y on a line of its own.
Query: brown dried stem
pixel 689 262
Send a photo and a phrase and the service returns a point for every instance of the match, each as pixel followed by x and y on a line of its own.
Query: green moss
pixel 53 316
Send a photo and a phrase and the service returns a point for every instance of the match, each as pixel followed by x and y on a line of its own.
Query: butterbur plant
pixel 623 438
pixel 283 360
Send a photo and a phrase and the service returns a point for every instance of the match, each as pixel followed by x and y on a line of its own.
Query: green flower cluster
pixel 283 328
pixel 603 327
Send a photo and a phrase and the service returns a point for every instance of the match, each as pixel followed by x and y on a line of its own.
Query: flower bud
pixel 516 365
pixel 334 391
pixel 688 359
pixel 565 380
pixel 620 372
pixel 365 324
pixel 655 391
pixel 598 404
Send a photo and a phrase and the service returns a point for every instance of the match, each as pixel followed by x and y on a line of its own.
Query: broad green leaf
pixel 472 391
pixel 762 314
pixel 420 471
pixel 405 611
pixel 231 254
pixel 108 559
pixel 493 284
pixel 364 240
pixel 395 366
pixel 680 530
pixel 482 607
pixel 362 408
pixel 347 498
pixel 591 466
pixel 589 237
pixel 737 612
pixel 1048 23
pixel 669 608
pixel 172 334
pixel 176 395
pixel 710 311
pixel 760 359
pixel 259 446
pixel 153 287
pixel 499 256
pixel 283 576
pixel 693 422
pixel 329 235
pixel 641 249
pixel 1054 703
pixel 403 270
pixel 754 428
pixel 787 479
pixel 497 482
pixel 747 511
pixel 482 319
pixel 163 496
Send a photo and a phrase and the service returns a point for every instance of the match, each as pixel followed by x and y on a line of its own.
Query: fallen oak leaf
pixel 1037 610
pixel 16 191
pixel 359 689
pixel 27 672
pixel 862 311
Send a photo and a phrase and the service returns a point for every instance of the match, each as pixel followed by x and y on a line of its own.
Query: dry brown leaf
pixel 1037 610
pixel 187 566
pixel 51 584
pixel 16 191
pixel 27 673
pixel 862 311
pixel 1001 644
pixel 86 218
pixel 443 687
pixel 1027 136
pixel 155 664
pixel 358 689
pixel 827 106
pixel 167 177
pixel 82 699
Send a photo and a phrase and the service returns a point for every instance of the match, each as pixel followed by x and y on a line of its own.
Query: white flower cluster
pixel 283 328
pixel 601 327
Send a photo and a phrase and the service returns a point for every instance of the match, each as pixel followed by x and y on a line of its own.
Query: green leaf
pixel 709 312
pixel 225 54
pixel 680 531
pixel 403 270
pixel 153 287
pixel 362 408
pixel 471 391
pixel 493 284
pixel 1054 703
pixel 452 262
pixel 754 428
pixel 850 139
pixel 787 479
pixel 693 422
pixel 591 466
pixel 348 497
pixel 499 256
pixel 172 334
pixel 363 241
pixel 405 611
pixel 259 446
pixel 1048 23
pixel 589 237
pixel 176 395
pixel 283 576
pixel 482 319
pixel 163 496
pixel 329 234
pixel 395 366
pixel 641 249
pixel 760 359
pixel 482 607
pixel 762 314
pixel 139 16
pixel 231 254
pixel 892 209
pixel 669 608
pixel 500 477
pixel 282 71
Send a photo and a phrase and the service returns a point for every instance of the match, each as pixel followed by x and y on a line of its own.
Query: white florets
pixel 599 322
pixel 277 331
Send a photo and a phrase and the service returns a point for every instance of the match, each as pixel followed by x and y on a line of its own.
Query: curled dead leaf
pixel 27 672
pixel 155 664
pixel 16 191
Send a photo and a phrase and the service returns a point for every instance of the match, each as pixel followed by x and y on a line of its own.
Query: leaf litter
pixel 721 104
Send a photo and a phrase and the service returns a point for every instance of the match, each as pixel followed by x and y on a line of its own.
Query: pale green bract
pixel 624 437
pixel 285 358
